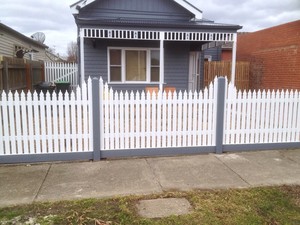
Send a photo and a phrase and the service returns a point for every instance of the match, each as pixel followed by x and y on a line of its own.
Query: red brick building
pixel 274 54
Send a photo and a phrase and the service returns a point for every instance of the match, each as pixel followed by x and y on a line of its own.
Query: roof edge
pixel 22 36
pixel 158 24
pixel 190 7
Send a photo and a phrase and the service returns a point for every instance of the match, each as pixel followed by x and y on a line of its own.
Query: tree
pixel 72 52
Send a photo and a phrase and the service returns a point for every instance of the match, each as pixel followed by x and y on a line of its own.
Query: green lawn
pixel 265 205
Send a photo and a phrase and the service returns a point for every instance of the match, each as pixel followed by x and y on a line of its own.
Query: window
pixel 133 65
pixel 115 65
pixel 154 66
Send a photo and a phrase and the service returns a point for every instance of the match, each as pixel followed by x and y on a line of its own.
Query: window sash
pixel 145 72
pixel 136 65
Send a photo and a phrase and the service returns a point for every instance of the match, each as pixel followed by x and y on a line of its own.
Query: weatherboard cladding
pixel 132 9
pixel 8 42
pixel 176 62
pixel 10 38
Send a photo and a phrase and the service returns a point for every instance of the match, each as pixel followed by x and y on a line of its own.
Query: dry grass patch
pixel 264 205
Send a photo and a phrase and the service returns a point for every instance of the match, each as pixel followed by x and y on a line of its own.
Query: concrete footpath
pixel 20 184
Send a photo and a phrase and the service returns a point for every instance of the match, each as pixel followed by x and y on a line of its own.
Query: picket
pixel 266 117
pixel 35 123
pixel 42 124
pixel 157 120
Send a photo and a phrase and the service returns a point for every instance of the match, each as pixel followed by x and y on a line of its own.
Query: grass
pixel 264 205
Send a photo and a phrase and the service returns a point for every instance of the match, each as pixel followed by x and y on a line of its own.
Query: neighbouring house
pixel 219 53
pixel 21 60
pixel 53 57
pixel 274 56
pixel 222 52
pixel 14 44
pixel 134 44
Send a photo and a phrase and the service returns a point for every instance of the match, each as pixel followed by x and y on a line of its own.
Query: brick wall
pixel 274 54
pixel 226 55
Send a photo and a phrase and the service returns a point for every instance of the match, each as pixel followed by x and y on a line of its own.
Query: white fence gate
pixel 96 122
pixel 68 72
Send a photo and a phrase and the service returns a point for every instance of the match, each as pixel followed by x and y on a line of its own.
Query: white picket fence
pixel 141 120
pixel 262 116
pixel 55 72
pixel 33 124
pixel 138 120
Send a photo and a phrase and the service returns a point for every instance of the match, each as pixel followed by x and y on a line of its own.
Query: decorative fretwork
pixel 156 35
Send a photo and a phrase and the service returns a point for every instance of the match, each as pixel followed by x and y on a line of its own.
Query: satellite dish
pixel 39 36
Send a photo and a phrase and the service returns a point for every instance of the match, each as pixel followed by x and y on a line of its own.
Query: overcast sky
pixel 54 18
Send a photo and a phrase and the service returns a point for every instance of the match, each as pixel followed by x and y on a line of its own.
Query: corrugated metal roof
pixel 197 24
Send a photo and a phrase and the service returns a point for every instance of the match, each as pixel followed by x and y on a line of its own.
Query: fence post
pixel 96 119
pixel 220 115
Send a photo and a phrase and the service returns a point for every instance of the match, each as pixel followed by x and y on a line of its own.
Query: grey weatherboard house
pixel 134 44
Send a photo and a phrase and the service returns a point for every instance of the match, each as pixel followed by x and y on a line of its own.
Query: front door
pixel 194 71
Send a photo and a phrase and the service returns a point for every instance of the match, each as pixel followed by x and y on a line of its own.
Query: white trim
pixel 185 4
pixel 123 65
pixel 80 4
pixel 127 34
pixel 233 63
pixel 121 34
pixel 161 62
pixel 82 67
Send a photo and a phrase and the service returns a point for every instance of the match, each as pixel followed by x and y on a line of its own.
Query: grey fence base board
pixel 72 156
pixel 149 152
pixel 156 152
pixel 256 147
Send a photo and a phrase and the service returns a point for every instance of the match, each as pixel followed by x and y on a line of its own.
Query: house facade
pixel 14 44
pixel 134 44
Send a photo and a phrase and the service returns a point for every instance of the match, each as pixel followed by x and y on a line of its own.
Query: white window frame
pixel 123 65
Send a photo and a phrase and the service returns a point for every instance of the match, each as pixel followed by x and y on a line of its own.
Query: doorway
pixel 194 72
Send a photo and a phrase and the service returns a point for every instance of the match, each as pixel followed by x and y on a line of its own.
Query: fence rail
pixel 105 123
pixel 56 72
